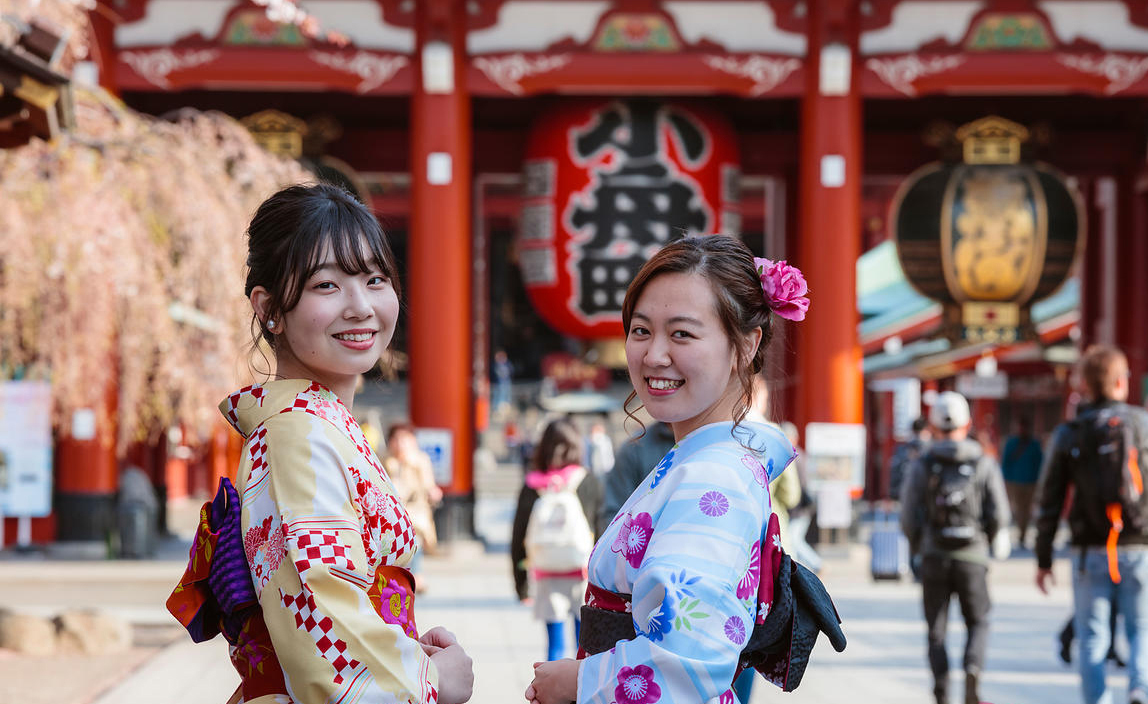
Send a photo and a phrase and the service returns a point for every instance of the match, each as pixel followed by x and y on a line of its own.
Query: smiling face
pixel 682 364
pixel 338 329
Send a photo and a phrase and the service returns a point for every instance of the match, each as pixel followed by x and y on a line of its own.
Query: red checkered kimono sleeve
pixel 319 520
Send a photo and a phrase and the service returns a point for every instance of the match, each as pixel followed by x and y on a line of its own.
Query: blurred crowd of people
pixel 959 495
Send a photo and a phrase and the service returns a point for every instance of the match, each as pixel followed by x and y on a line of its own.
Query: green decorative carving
pixel 1024 32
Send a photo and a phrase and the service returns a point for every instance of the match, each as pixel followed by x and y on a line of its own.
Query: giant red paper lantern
pixel 607 184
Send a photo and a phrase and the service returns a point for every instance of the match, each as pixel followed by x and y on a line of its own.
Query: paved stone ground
pixel 471 593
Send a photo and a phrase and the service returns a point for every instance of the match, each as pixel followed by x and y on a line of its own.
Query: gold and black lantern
pixel 989 235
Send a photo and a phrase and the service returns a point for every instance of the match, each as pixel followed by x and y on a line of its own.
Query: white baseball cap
pixel 950 411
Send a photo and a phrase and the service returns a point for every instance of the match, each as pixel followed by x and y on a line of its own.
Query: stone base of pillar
pixel 454 519
pixel 84 517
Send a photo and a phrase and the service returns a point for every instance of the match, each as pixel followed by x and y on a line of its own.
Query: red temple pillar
pixel 439 239
pixel 102 47
pixel 1113 290
pixel 87 476
pixel 829 361
pixel 1092 264
pixel 1131 303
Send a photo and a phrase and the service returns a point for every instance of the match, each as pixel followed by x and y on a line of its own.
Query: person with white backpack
pixel 552 536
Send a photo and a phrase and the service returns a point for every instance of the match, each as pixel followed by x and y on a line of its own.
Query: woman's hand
pixel 438 637
pixel 554 682
pixel 455 668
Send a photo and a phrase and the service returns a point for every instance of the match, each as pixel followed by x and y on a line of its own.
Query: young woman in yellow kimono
pixel 302 564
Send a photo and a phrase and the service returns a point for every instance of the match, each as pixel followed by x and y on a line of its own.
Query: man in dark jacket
pixel 905 454
pixel 1071 461
pixel 633 462
pixel 953 503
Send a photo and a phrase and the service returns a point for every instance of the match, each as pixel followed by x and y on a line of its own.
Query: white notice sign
pixel 835 452
pixel 977 386
pixel 834 505
pixel 25 448
pixel 438 443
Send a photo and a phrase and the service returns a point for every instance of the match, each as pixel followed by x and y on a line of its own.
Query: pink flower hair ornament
pixel 784 288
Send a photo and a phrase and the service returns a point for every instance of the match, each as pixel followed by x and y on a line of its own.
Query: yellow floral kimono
pixel 326 539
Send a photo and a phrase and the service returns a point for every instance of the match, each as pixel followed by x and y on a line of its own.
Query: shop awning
pixel 893 311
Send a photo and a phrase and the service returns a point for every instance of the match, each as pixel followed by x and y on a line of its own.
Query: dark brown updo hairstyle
pixel 291 232
pixel 727 264
pixel 561 445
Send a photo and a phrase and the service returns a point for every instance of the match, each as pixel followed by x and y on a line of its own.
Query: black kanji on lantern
pixel 638 203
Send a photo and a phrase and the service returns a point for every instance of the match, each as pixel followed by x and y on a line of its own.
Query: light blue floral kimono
pixel 686 546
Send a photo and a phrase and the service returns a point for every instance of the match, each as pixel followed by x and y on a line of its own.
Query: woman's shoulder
pixel 749 455
pixel 726 440
pixel 288 402
pixel 309 436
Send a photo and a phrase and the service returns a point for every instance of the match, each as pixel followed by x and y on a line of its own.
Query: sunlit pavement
pixel 471 592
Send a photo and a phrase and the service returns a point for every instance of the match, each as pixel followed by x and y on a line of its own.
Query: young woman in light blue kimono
pixel 683 553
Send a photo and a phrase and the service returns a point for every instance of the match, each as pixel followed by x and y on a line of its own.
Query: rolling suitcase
pixel 890 548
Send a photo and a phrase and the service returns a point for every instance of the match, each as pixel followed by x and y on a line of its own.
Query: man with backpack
pixel 953 504
pixel 1099 454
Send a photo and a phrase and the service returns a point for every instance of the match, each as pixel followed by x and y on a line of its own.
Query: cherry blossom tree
pixel 122 252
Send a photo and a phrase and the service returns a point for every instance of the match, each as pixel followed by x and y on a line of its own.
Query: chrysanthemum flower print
pixel 713 504
pixel 633 538
pixel 747 586
pixel 255 537
pixel 265 546
pixel 394 607
pixel 735 630
pixel 379 516
pixel 636 685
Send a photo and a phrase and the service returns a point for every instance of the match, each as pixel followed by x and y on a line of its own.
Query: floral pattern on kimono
pixel 686 546
pixel 265 546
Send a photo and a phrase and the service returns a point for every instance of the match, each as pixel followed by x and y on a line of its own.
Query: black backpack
pixel 1104 450
pixel 953 503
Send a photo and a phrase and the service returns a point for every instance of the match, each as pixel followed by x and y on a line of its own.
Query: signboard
pixel 976 386
pixel 835 453
pixel 906 403
pixel 834 505
pixel 569 373
pixel 438 443
pixel 606 185
pixel 988 321
pixel 25 448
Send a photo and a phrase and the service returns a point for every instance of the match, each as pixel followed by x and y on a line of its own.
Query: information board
pixel 25 448
pixel 438 443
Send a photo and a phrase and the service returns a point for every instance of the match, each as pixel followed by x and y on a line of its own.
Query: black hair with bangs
pixel 292 231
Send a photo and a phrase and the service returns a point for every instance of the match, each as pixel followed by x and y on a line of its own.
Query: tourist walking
pixel 1100 454
pixel 953 504
pixel 1021 459
pixel 553 532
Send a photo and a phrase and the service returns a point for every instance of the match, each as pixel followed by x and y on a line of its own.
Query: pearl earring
pixel 270 324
